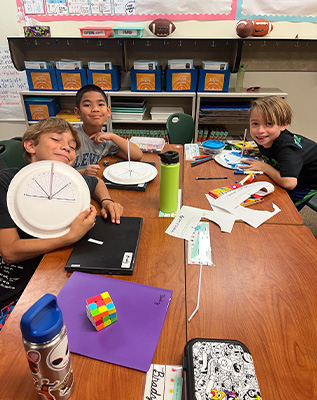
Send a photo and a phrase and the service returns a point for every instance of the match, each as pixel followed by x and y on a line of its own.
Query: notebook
pixel 107 248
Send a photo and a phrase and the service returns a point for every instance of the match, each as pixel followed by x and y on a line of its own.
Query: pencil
pixel 194 163
pixel 210 177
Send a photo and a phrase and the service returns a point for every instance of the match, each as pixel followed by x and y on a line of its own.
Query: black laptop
pixel 107 248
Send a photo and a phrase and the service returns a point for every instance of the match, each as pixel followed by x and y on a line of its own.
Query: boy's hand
pixel 82 224
pixel 254 165
pixel 115 210
pixel 99 137
pixel 91 170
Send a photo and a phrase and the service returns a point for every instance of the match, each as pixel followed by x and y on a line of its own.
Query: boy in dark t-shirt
pixel 50 139
pixel 290 160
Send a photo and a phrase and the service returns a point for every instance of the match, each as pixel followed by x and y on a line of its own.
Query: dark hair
pixel 89 88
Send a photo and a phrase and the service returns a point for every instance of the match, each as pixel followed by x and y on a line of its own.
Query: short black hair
pixel 89 88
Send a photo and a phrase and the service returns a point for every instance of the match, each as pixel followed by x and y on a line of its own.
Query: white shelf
pixel 231 96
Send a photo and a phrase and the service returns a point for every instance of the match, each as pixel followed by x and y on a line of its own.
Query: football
pixel 162 27
pixel 261 27
pixel 244 28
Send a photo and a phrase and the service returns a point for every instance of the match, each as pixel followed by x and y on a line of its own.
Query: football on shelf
pixel 257 27
pixel 162 27
pixel 244 28
pixel 261 27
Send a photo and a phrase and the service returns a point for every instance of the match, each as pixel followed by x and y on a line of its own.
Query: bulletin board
pixel 141 10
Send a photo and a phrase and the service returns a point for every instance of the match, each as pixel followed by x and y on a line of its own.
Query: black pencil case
pixel 219 369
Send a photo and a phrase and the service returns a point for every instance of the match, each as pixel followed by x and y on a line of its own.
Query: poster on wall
pixel 283 10
pixel 130 10
pixel 11 83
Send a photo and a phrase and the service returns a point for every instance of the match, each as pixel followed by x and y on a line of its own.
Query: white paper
pixel 185 222
pixel 231 201
pixel 11 83
pixel 164 382
pixel 185 7
pixel 296 8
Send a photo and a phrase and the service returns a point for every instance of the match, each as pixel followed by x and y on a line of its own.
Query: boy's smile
pixel 93 111
pixel 53 146
pixel 264 133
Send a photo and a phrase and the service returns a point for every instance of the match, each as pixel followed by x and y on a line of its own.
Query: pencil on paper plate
pixel 244 139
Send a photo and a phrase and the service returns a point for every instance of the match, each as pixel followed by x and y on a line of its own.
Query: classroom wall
pixel 301 86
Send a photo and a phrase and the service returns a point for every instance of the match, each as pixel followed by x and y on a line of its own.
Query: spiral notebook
pixel 107 248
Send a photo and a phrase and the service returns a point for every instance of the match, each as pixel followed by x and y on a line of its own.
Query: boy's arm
pixel 108 206
pixel 14 249
pixel 135 153
pixel 288 183
pixel 90 170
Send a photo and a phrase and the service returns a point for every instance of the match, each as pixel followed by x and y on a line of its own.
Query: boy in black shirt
pixel 290 160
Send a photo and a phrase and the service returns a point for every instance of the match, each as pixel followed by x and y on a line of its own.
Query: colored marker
pixel 210 177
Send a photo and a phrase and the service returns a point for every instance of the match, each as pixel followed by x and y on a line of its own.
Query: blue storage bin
pixel 42 79
pixel 213 80
pixel 183 80
pixel 106 79
pixel 146 80
pixel 38 108
pixel 71 79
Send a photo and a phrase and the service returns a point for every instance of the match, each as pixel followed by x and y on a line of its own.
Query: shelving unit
pixel 187 100
pixel 280 55
pixel 234 126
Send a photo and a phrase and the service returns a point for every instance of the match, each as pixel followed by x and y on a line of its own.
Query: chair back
pixel 180 128
pixel 312 203
pixel 11 153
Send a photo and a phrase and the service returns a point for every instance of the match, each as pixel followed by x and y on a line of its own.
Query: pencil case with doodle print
pixel 219 369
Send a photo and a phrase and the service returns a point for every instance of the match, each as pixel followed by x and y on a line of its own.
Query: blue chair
pixel 11 153
pixel 180 128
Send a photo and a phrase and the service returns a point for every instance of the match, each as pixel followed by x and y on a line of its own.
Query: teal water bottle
pixel 169 181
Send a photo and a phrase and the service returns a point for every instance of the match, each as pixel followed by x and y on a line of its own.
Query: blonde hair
pixel 273 109
pixel 48 125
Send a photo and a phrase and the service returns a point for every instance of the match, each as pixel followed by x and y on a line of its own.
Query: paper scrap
pixel 164 382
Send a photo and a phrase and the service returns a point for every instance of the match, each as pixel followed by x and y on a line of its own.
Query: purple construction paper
pixel 131 341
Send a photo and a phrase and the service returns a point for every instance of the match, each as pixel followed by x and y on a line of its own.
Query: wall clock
pixel 45 197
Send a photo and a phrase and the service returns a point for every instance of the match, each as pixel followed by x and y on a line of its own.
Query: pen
pixel 210 177
pixel 246 172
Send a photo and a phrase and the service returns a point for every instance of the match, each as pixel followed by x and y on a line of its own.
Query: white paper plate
pixel 139 173
pixel 221 159
pixel 45 197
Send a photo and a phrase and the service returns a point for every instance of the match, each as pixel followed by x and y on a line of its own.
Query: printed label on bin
pixel 41 80
pixel 102 80
pixel 214 81
pixel 39 111
pixel 145 81
pixel 71 81
pixel 181 80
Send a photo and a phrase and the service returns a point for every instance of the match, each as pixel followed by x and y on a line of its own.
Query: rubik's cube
pixel 101 310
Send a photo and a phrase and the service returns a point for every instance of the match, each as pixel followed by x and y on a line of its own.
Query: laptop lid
pixel 107 248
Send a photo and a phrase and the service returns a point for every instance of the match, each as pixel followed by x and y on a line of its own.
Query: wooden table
pixel 143 204
pixel 194 191
pixel 160 262
pixel 262 292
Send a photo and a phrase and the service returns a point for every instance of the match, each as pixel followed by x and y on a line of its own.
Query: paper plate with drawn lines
pixel 137 172
pixel 232 159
